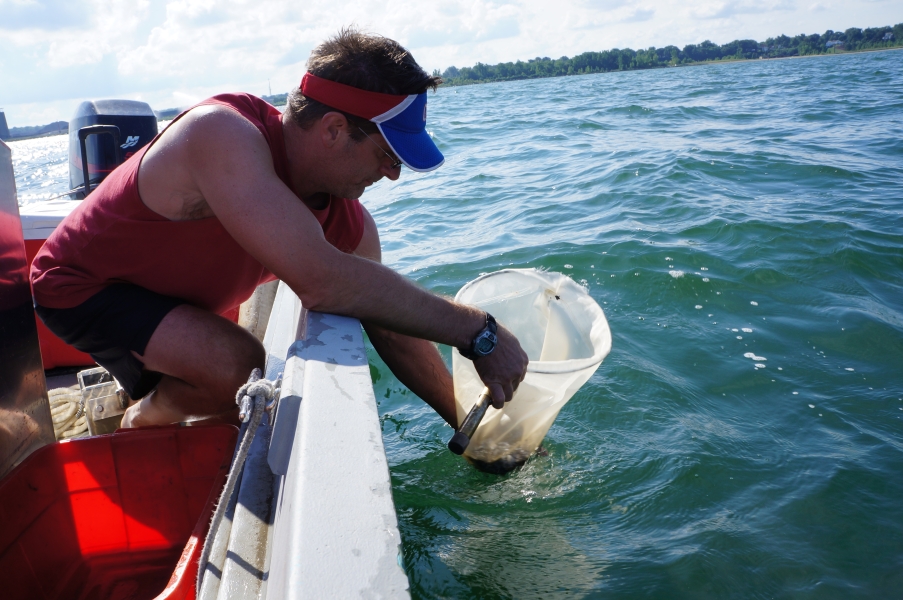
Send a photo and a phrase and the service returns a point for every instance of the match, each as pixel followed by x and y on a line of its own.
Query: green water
pixel 725 217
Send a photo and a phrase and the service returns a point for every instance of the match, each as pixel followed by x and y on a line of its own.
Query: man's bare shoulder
pixel 210 141
pixel 215 129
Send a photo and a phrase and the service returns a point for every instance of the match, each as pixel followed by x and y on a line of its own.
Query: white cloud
pixel 58 34
pixel 729 8
pixel 168 52
pixel 640 14
pixel 46 14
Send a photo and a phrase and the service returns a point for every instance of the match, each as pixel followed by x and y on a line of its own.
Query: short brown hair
pixel 369 62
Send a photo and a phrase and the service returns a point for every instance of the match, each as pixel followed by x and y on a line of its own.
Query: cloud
pixel 69 33
pixel 729 8
pixel 40 15
pixel 199 41
pixel 450 23
pixel 486 31
pixel 589 15
pixel 295 55
pixel 59 52
pixel 182 99
pixel 639 15
pixel 602 5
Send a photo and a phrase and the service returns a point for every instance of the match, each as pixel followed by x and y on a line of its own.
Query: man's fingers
pixel 509 392
pixel 501 393
pixel 498 395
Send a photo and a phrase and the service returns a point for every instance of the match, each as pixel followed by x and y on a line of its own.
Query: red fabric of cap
pixel 349 99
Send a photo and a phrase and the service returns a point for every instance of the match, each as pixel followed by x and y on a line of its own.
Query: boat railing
pixel 313 516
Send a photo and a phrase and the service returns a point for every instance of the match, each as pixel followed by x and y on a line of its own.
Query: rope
pixel 256 389
pixel 67 408
pixel 253 398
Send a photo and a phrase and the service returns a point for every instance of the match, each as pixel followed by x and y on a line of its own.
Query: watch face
pixel 485 344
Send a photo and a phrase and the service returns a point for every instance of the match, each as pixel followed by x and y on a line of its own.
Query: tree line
pixel 852 39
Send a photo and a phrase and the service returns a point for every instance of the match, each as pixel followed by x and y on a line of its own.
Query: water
pixel 41 166
pixel 741 225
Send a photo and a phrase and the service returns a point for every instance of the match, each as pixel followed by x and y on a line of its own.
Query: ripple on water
pixel 690 464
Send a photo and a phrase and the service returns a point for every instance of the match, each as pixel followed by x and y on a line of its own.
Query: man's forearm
pixel 361 288
pixel 419 366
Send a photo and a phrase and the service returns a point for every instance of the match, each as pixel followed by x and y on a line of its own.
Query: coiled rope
pixel 253 398
pixel 67 408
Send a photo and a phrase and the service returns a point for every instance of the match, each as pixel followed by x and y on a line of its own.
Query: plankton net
pixel 565 335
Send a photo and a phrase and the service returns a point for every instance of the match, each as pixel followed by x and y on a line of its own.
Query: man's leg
pixel 204 359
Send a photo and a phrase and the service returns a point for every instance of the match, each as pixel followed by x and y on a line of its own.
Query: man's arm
pixel 232 168
pixel 415 362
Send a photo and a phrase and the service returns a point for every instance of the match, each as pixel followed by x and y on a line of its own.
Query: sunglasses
pixel 396 162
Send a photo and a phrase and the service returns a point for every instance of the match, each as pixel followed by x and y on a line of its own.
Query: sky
pixel 172 53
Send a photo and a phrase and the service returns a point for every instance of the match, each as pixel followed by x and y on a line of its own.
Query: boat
pixel 307 510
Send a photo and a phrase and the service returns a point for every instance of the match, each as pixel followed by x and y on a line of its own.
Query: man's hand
pixel 504 369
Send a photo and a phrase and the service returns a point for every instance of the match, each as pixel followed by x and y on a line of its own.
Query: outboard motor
pixel 102 135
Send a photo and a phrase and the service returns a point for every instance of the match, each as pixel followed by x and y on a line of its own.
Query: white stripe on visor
pixel 396 110
pixel 404 129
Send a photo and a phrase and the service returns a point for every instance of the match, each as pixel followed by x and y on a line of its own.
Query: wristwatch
pixel 484 342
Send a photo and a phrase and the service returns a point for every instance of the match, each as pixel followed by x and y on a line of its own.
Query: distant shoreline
pixel 706 63
pixel 685 65
pixel 851 41
pixel 718 62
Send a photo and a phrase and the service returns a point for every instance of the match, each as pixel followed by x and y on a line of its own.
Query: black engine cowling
pixel 133 126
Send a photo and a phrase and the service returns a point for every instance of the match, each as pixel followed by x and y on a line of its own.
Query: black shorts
pixel 109 326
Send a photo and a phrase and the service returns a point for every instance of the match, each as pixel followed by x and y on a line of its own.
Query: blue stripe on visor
pixel 406 134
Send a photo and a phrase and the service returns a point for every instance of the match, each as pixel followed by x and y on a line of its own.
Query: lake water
pixel 742 226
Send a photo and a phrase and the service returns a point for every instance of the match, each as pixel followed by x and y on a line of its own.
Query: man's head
pixel 368 63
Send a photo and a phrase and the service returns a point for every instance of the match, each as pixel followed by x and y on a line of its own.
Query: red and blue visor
pixel 401 119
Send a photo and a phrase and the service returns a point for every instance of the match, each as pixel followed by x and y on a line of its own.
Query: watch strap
pixel 492 327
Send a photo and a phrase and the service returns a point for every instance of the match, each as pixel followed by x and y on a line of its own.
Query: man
pixel 232 194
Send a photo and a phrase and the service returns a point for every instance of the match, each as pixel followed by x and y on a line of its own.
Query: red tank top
pixel 113 237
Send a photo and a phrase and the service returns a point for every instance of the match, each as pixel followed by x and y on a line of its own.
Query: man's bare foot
pixel 227 418
pixel 128 418
pixel 133 417
pixel 145 412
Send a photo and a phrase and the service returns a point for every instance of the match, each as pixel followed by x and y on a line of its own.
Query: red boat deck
pixel 119 516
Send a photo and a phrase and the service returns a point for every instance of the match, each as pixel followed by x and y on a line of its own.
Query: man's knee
pixel 249 354
pixel 214 381
pixel 204 350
